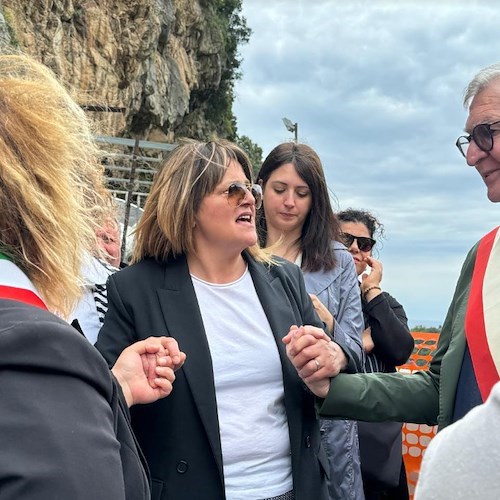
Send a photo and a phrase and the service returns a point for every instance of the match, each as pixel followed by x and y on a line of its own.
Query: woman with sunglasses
pixel 298 224
pixel 388 343
pixel 239 424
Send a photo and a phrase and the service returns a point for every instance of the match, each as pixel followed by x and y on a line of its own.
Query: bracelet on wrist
pixel 370 288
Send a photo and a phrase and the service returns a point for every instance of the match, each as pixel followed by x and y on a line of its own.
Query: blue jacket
pixel 338 290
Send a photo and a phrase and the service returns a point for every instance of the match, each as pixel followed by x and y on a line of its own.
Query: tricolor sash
pixel 15 285
pixel 482 320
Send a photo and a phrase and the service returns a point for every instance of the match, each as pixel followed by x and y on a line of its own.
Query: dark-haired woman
pixel 299 225
pixel 388 343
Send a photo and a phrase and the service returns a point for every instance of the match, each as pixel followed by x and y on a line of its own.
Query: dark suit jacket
pixel 64 432
pixel 180 434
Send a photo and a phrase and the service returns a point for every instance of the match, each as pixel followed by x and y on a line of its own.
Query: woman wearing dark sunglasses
pixel 239 424
pixel 298 223
pixel 388 343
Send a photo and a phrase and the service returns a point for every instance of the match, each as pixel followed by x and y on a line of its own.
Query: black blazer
pixel 64 429
pixel 180 434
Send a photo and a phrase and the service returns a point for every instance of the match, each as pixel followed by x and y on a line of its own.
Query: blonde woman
pixel 64 431
pixel 240 424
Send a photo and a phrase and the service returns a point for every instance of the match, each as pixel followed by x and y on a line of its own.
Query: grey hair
pixel 481 80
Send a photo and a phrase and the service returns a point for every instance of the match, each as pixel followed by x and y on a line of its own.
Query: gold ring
pixel 318 366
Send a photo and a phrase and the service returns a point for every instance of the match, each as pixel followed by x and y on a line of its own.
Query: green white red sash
pixel 15 285
pixel 482 321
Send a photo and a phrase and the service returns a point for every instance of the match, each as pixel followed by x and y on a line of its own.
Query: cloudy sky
pixel 376 89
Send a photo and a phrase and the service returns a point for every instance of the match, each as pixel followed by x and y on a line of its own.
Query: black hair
pixel 374 226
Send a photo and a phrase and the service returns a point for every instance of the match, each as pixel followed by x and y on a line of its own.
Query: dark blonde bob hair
pixel 189 173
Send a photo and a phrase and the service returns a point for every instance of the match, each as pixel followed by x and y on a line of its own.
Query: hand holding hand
pixel 315 357
pixel 145 369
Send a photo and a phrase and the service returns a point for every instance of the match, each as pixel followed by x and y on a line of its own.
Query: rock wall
pixel 160 60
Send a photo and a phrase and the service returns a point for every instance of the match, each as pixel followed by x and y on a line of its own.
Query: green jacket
pixel 422 397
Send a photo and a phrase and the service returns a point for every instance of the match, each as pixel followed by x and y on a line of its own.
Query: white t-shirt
pixel 249 390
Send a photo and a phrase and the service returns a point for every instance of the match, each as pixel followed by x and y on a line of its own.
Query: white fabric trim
pixel 491 301
pixel 11 275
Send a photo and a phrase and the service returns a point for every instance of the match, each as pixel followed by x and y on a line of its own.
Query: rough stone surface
pixel 155 58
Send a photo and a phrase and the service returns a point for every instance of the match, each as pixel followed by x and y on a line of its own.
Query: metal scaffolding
pixel 130 166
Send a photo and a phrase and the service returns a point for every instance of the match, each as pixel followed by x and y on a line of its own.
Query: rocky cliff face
pixel 160 60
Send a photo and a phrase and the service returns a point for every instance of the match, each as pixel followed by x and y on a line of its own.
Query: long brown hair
pixel 321 226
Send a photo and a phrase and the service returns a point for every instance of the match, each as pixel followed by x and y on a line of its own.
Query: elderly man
pixel 96 269
pixel 466 363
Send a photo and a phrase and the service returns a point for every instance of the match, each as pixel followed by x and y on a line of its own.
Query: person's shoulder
pixel 452 456
pixel 147 266
pixel 36 340
pixel 340 251
pixel 277 267
pixel 344 262
pixel 471 254
pixel 342 269
pixel 283 265
pixel 338 246
pixel 390 298
pixel 488 239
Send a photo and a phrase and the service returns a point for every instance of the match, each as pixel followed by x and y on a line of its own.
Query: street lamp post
pixel 292 127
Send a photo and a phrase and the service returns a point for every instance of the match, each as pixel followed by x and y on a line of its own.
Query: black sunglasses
pixel 364 244
pixel 237 192
pixel 481 134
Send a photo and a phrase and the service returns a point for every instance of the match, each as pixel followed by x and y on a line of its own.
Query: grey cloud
pixel 376 88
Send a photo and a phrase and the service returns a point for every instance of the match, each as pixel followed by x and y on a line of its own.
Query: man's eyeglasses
pixel 482 135
pixel 237 192
pixel 364 244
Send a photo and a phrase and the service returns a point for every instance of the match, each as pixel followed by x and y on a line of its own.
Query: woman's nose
pixel 289 199
pixel 248 199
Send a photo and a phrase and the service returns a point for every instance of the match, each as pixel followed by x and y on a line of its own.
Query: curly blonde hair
pixel 51 183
